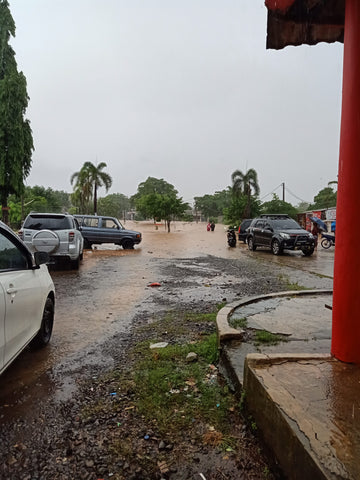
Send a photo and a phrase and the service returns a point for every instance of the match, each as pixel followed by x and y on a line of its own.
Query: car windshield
pixel 285 224
pixel 35 222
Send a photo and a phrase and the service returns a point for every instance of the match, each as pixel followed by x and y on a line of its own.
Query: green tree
pixel 15 213
pixel 154 185
pixel 16 142
pixel 279 206
pixel 170 207
pixel 206 205
pixel 302 206
pixel 39 199
pixel 212 206
pixel 55 200
pixel 87 181
pixel 158 199
pixel 245 184
pixel 114 205
pixel 81 196
pixel 234 214
pixel 326 198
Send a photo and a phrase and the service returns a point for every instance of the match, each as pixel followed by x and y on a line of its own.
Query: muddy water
pixel 98 300
pixel 101 298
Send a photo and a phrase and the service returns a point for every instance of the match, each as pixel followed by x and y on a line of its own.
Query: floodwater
pixel 102 296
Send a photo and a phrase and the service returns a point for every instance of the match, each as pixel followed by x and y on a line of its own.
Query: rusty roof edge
pixel 305 22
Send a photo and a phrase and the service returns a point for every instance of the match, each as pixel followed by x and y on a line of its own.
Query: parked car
pixel 98 229
pixel 27 298
pixel 57 234
pixel 279 232
pixel 243 229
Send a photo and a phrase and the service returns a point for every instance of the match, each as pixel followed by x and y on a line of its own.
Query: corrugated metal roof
pixel 295 22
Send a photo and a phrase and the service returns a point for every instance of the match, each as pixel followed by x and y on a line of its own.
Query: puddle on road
pixel 100 299
pixel 313 319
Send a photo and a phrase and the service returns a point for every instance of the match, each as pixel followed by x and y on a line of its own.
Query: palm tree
pixel 82 190
pixel 89 179
pixel 244 184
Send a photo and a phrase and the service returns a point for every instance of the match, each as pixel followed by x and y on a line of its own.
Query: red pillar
pixel 346 302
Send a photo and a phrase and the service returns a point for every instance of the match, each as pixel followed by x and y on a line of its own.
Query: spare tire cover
pixel 45 241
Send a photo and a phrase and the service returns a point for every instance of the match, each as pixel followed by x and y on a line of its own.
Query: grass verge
pixel 291 286
pixel 264 337
pixel 159 397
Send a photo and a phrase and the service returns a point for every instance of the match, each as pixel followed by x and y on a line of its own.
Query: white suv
pixel 57 234
pixel 27 298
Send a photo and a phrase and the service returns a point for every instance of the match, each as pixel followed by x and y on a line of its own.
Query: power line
pixel 287 190
pixel 295 196
pixel 271 191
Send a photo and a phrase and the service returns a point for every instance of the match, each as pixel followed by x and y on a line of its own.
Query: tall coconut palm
pixel 245 184
pixel 89 179
pixel 82 189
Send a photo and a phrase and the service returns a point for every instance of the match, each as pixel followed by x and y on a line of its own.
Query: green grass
pixel 158 391
pixel 167 391
pixel 238 322
pixel 174 392
pixel 264 337
pixel 292 286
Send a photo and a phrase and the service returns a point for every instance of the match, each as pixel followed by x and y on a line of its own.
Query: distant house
pixel 328 215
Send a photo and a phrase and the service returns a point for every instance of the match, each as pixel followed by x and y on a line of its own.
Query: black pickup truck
pixel 99 229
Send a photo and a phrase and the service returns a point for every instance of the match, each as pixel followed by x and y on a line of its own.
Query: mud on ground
pixel 57 442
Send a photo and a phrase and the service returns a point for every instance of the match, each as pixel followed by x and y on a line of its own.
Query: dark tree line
pixel 16 142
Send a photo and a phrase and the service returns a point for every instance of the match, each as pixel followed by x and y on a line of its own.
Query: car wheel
pixel 325 243
pixel 308 251
pixel 87 244
pixel 43 336
pixel 251 244
pixel 128 244
pixel 276 248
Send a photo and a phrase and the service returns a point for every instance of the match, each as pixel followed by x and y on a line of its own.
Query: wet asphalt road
pixel 102 297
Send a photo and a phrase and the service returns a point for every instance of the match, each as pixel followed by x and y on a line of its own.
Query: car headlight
pixel 311 236
pixel 286 236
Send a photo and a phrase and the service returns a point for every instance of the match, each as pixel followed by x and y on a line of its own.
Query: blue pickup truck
pixel 100 229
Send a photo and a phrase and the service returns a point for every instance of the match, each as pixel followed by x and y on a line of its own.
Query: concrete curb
pixel 226 332
pixel 301 447
pixel 272 382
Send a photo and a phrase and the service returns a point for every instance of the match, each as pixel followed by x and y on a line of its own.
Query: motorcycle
pixel 327 240
pixel 231 237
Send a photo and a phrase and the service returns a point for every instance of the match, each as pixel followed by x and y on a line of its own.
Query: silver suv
pixel 57 234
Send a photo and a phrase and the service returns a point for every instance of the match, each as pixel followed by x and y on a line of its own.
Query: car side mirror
pixel 41 258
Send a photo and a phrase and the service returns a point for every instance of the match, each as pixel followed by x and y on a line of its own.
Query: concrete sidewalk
pixel 306 404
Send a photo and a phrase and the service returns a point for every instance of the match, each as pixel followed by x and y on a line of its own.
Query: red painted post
pixel 346 301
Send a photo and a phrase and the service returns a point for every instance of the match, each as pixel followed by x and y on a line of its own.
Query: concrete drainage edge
pixel 226 332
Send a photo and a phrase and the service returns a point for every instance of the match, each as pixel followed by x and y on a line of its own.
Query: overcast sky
pixel 181 90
